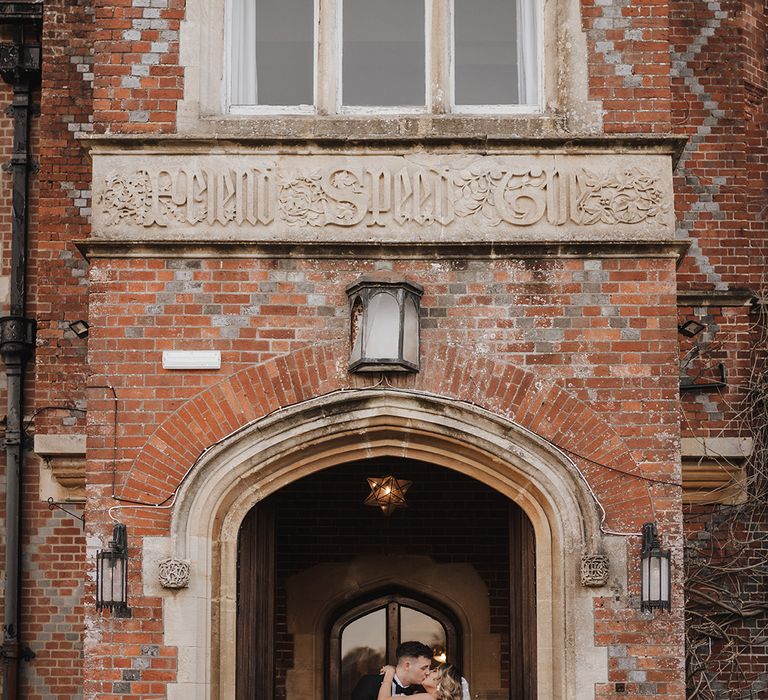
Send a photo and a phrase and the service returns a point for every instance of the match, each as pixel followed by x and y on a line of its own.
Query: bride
pixel 442 683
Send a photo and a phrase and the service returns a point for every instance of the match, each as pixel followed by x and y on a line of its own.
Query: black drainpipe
pixel 20 68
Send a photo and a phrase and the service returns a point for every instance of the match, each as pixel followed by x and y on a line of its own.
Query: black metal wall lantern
pixel 655 572
pixel 112 574
pixel 384 325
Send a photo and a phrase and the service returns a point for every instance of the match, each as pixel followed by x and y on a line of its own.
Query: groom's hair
pixel 412 650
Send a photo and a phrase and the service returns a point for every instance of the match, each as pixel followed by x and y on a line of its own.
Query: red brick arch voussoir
pixel 449 371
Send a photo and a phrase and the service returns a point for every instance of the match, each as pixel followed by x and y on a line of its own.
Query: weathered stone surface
pixel 415 197
pixel 64 455
pixel 594 570
pixel 174 573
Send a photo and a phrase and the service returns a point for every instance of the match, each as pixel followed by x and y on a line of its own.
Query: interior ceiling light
pixel 387 493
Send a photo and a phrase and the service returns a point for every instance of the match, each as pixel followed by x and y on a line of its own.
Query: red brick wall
pixel 53 565
pixel 58 279
pixel 727 340
pixel 719 86
pixel 729 555
pixel 629 63
pixel 602 330
pixel 53 570
pixel 138 79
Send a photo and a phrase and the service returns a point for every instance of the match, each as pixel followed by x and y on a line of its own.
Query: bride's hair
pixel 448 683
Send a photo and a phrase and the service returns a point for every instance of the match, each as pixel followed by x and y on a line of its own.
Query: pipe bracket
pixel 17 336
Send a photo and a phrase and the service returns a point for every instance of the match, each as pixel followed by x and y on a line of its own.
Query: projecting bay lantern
pixel 384 325
pixel 112 574
pixel 655 569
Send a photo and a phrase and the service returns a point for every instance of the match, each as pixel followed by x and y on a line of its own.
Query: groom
pixel 413 662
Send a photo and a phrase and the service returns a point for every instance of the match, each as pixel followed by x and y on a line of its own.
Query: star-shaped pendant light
pixel 387 493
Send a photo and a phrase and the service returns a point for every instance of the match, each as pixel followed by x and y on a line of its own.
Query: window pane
pixel 363 648
pixel 486 62
pixel 417 625
pixel 384 49
pixel 272 52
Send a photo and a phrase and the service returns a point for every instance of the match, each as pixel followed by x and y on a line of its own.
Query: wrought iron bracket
pixel 53 505
pixel 708 385
pixel 9 165
pixel 34 110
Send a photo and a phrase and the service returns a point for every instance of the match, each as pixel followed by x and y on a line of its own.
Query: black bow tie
pixel 410 690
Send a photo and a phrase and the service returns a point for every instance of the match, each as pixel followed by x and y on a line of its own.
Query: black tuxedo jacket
pixel 367 688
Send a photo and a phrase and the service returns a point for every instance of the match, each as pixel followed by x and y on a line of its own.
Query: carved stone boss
pixel 174 573
pixel 378 195
pixel 594 570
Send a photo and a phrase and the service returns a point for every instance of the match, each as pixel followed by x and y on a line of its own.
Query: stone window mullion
pixel 328 28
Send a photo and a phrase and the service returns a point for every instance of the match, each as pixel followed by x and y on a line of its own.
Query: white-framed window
pixel 384 56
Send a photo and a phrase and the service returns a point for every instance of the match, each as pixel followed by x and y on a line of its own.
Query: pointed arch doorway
pixel 247 467
pixel 456 569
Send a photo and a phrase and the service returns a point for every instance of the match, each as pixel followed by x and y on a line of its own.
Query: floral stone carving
pixel 174 573
pixel 370 196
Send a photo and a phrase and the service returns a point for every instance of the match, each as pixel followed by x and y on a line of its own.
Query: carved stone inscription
pixel 381 197
pixel 188 196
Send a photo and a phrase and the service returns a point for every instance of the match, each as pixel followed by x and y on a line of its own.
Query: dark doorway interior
pixel 450 518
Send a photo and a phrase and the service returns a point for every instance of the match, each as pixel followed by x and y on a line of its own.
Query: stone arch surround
pixel 542 407
pixel 349 425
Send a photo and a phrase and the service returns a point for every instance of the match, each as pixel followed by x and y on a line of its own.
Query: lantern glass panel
pixel 654 578
pixel 655 591
pixel 111 579
pixel 645 564
pixel 664 579
pixel 382 327
pixel 356 330
pixel 411 332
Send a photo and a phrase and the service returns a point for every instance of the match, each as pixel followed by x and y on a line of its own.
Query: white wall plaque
pixel 191 359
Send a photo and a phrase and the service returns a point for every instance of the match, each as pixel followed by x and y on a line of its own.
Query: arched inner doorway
pixel 327 586
pixel 364 637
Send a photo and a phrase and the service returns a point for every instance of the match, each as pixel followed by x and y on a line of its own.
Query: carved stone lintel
pixel 174 573
pixel 594 570
pixel 376 198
